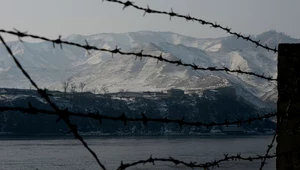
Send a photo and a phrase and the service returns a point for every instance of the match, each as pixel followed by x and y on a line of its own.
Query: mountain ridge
pixel 49 66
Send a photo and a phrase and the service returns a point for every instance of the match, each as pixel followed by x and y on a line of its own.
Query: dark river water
pixel 67 154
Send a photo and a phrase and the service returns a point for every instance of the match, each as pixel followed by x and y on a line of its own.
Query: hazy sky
pixel 65 17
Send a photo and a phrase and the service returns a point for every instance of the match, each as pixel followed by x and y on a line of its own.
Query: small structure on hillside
pixel 155 94
pixel 175 93
pixel 126 94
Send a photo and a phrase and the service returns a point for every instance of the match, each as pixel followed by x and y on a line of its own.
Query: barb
pixel 44 95
pixel 191 164
pixel 263 162
pixel 137 55
pixel 190 18
pixel 143 119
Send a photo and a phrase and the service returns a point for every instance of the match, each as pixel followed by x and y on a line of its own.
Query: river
pixel 67 154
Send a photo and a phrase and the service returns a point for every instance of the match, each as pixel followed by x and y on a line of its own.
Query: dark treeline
pixel 210 107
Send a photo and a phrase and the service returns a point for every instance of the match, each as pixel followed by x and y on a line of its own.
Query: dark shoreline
pixel 89 136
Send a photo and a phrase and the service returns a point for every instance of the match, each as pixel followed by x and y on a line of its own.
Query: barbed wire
pixel 140 54
pixel 123 118
pixel 190 18
pixel 58 112
pixel 65 114
pixel 207 165
pixel 263 162
pixel 192 165
pixel 279 120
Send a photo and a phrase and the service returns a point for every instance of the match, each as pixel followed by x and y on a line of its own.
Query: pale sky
pixel 65 17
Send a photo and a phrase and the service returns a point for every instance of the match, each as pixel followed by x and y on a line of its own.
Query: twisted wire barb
pixel 123 118
pixel 190 18
pixel 58 112
pixel 140 54
pixel 192 165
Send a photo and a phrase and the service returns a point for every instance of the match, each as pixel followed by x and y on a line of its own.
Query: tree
pixel 65 85
pixel 94 90
pixel 73 87
pixel 81 86
pixel 104 89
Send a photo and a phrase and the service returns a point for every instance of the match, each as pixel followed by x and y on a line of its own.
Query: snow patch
pixel 214 48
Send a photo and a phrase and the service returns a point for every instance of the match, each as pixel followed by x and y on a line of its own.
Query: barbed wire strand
pixel 279 120
pixel 123 118
pixel 62 116
pixel 207 165
pixel 263 162
pixel 192 165
pixel 73 128
pixel 136 54
pixel 190 18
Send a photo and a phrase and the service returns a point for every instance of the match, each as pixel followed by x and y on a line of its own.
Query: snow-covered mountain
pixel 50 66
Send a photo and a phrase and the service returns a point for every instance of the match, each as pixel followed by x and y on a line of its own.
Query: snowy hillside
pixel 50 66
